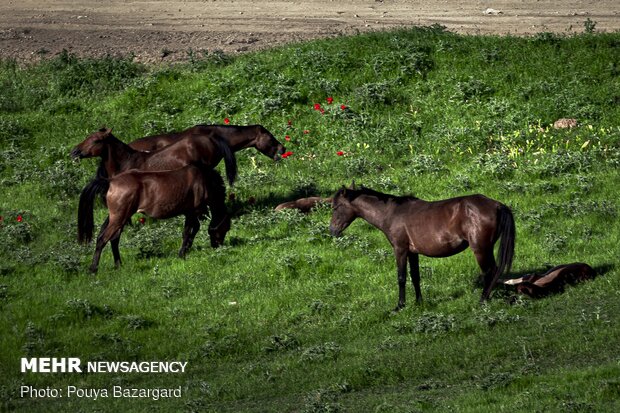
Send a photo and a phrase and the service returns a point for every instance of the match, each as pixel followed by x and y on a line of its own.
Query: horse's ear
pixel 105 131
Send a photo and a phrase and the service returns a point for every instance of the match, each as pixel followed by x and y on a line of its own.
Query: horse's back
pixel 187 150
pixel 446 227
pixel 155 142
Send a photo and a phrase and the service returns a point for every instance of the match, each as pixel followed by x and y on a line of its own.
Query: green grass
pixel 283 317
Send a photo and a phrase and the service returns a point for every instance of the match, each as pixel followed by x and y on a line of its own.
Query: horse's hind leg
pixel 108 231
pixel 114 243
pixel 192 225
pixel 414 268
pixel 486 261
pixel 115 251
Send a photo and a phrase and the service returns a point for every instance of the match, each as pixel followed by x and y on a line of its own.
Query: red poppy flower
pixel 287 138
pixel 317 106
pixel 226 121
pixel 19 218
pixel 306 131
pixel 343 107
pixel 339 153
pixel 322 111
pixel 330 100
pixel 287 154
pixel 142 220
pixel 290 122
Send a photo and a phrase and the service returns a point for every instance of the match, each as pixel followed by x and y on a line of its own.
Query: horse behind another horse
pixel 434 229
pixel 237 137
pixel 190 191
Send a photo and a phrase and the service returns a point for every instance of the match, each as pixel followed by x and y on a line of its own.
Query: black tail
pixel 506 232
pixel 229 159
pixel 87 205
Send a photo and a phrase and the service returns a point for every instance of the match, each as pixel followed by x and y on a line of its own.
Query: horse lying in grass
pixel 553 281
pixel 117 157
pixel 237 137
pixel 434 229
pixel 304 205
pixel 191 191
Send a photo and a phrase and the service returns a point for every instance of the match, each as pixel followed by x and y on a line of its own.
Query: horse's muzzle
pixel 278 155
pixel 76 153
pixel 335 232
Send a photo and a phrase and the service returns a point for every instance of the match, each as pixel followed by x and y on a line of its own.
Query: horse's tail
pixel 507 234
pixel 229 158
pixel 86 207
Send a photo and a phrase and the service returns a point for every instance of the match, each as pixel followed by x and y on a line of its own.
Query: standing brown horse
pixel 434 229
pixel 237 137
pixel 187 191
pixel 118 157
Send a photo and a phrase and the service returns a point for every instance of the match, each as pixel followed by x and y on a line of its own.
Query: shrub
pixel 320 352
pixel 283 342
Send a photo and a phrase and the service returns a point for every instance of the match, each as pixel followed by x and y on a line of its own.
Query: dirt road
pixel 165 30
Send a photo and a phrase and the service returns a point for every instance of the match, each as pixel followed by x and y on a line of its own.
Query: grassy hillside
pixel 284 317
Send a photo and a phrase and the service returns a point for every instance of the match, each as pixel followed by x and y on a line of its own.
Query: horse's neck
pixel 218 213
pixel 238 141
pixel 372 210
pixel 118 156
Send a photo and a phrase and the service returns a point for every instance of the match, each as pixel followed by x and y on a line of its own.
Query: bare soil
pixel 165 30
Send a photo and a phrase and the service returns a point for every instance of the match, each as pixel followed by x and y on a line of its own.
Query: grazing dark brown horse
pixel 190 191
pixel 117 157
pixel 553 281
pixel 304 205
pixel 237 137
pixel 434 229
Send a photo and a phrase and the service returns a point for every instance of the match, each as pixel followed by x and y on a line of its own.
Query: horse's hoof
pixel 398 308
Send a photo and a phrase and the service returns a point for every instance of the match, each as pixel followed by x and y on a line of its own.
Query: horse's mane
pixel 351 194
pixel 238 127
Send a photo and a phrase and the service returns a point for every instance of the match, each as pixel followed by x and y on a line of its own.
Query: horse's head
pixel 217 231
pixel 93 145
pixel 268 145
pixel 343 212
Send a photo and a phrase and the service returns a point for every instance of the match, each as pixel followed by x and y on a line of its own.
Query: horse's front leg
pixel 414 268
pixel 401 268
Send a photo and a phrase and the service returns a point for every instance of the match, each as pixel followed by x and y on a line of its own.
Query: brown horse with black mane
pixel 191 191
pixel 117 157
pixel 237 137
pixel 434 229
